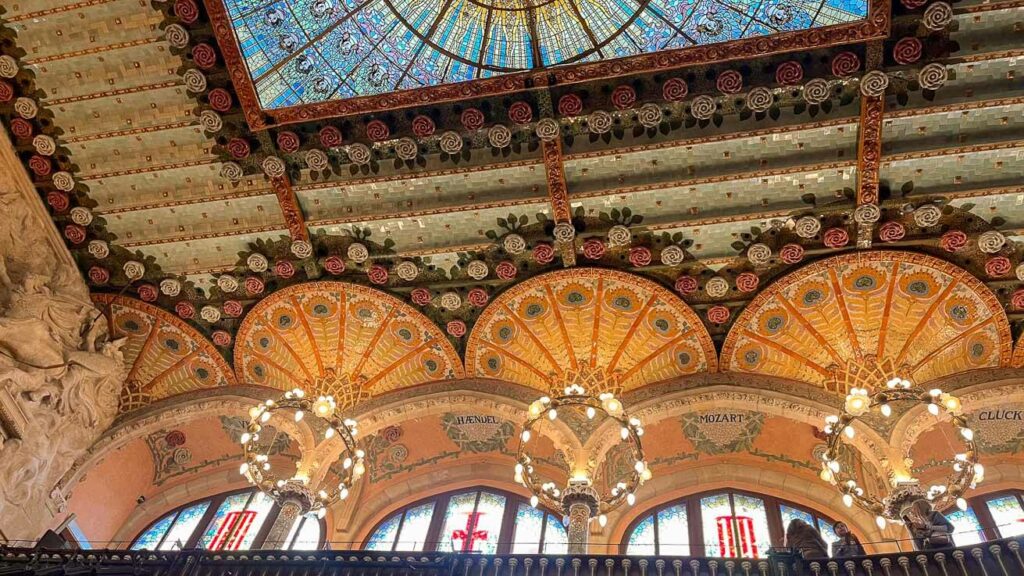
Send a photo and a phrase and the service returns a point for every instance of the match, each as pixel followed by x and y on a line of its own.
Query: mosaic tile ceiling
pixel 857 320
pixel 303 51
pixel 712 180
pixel 167 356
pixel 341 339
pixel 599 328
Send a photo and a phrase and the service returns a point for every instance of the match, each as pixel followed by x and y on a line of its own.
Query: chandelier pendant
pixel 966 472
pixel 294 493
pixel 579 500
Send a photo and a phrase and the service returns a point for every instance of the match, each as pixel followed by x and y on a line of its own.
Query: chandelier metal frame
pixel 575 397
pixel 256 468
pixel 967 471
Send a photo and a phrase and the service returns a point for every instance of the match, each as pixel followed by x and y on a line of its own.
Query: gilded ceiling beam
pixel 554 169
pixel 293 217
pixel 869 159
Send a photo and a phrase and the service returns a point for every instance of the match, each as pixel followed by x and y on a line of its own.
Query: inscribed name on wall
pixel 999 429
pixel 477 432
pixel 722 431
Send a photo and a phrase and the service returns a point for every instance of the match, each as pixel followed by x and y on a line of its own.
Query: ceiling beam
pixel 293 217
pixel 869 159
pixel 558 194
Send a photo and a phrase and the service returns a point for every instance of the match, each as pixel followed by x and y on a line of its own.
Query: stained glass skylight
pixel 311 51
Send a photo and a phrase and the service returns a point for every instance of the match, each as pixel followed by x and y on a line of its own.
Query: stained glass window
pixel 233 503
pixel 716 521
pixel 673 532
pixel 641 540
pixel 154 534
pixel 302 51
pixel 556 539
pixel 383 538
pixel 827 534
pixel 966 528
pixel 184 526
pixel 727 525
pixel 1007 514
pixel 413 536
pixel 529 530
pixel 227 522
pixel 460 514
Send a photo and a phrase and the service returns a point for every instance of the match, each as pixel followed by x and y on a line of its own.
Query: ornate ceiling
pixel 341 339
pixel 604 329
pixel 857 320
pixel 706 174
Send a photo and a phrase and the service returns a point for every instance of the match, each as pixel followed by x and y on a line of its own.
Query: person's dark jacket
pixel 803 538
pixel 847 546
pixel 931 537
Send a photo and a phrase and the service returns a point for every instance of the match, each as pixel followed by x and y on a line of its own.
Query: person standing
pixel 804 539
pixel 929 528
pixel 848 544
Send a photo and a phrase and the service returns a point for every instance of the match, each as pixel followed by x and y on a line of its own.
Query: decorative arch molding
pixel 167 356
pixel 342 339
pixel 917 420
pixel 508 400
pixel 667 404
pixel 598 327
pixel 858 319
pixel 1018 353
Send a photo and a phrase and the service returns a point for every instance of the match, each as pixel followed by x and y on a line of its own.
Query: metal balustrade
pixel 995 558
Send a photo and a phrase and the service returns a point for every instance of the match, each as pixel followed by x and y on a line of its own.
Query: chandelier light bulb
pixel 967 433
pixel 360 453
pixel 244 468
pixel 322 494
pixel 639 466
pixel 245 437
pixel 933 409
pixel 886 410
pixel 848 500
pixel 630 498
pixel 833 465
pixel 526 436
pixel 880 522
pixel 961 503
pixel 602 520
pixel 826 475
pixel 298 415
pixel 255 411
pixel 591 412
pixel 359 469
pixel 268 402
pixel 849 431
pixel 625 433
pixel 951 403
pixel 646 474
pixel 329 433
pixel 320 513
pixel 266 466
pixel 344 493
pixel 552 414
pixel 265 416
pixel 534 501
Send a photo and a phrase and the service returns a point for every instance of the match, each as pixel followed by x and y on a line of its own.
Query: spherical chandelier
pixel 579 500
pixel 294 491
pixel 965 471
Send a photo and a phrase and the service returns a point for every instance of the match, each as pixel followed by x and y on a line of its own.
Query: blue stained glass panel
pixel 309 51
pixel 527 534
pixel 827 533
pixel 556 539
pixel 789 514
pixel 1008 516
pixel 966 528
pixel 150 538
pixel 184 526
pixel 641 541
pixel 673 532
pixel 383 538
pixel 413 536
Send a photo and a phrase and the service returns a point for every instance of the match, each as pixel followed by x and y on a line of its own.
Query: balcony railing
pixel 995 558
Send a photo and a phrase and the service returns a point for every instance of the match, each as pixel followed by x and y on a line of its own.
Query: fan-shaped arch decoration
pixel 166 355
pixel 1018 353
pixel 602 329
pixel 342 339
pixel 857 320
